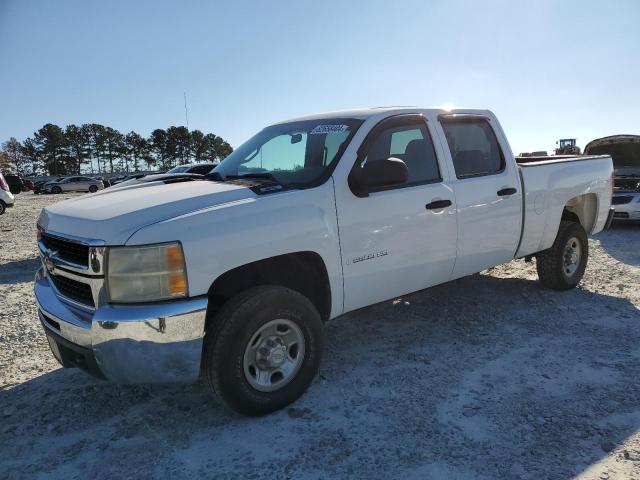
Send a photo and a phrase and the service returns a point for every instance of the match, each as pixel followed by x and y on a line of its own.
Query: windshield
pixel 180 169
pixel 293 154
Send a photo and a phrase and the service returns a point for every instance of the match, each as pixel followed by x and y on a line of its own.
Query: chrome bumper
pixel 131 343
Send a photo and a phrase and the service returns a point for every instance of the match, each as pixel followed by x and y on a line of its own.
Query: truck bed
pixel 556 182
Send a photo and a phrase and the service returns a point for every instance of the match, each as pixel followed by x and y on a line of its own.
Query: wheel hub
pixel 272 352
pixel 572 256
pixel 274 355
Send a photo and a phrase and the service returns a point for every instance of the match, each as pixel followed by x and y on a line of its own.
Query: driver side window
pixel 409 141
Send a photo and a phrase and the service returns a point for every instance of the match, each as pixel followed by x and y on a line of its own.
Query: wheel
pixel 562 266
pixel 3 207
pixel 56 190
pixel 263 349
pixel 93 188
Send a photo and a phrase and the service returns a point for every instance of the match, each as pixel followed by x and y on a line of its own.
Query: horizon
pixel 129 66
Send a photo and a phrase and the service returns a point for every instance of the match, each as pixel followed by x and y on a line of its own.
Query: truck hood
pixel 113 216
pixel 624 150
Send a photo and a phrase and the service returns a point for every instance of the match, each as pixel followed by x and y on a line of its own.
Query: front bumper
pixel 629 210
pixel 153 343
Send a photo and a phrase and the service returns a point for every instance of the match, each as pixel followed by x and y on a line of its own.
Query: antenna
pixel 186 111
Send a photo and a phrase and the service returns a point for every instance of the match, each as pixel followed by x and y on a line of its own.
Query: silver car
pixel 626 205
pixel 74 184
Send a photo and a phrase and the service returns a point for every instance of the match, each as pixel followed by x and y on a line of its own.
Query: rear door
pixel 67 185
pixel 487 191
pixel 401 239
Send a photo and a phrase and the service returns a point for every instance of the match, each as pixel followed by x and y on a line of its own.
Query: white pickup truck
pixel 231 277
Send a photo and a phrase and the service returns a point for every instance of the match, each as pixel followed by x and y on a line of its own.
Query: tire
pixel 3 207
pixel 228 355
pixel 555 269
pixel 56 190
pixel 93 188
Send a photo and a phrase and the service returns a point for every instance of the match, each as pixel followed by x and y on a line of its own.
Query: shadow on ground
pixel 616 241
pixel 480 378
pixel 19 271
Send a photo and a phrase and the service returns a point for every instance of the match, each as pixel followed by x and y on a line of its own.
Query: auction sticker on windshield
pixel 323 129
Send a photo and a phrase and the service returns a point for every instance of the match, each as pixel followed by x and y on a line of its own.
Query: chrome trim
pixel 73 238
pixel 133 343
pixel 95 283
pixel 75 324
pixel 94 277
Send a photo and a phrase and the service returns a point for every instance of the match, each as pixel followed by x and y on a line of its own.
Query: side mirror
pixel 296 138
pixel 377 174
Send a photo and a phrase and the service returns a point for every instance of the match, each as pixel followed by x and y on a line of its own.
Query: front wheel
pixel 562 266
pixel 263 349
pixel 93 189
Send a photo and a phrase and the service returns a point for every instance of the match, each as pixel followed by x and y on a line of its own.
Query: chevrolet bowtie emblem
pixel 48 263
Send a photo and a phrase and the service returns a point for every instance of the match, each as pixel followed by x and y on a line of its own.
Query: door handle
pixel 437 204
pixel 507 191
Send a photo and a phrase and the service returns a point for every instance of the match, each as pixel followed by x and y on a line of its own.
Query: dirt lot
pixel 487 377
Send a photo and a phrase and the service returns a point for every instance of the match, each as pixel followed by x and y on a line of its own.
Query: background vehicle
pixel 567 146
pixel 6 197
pixel 38 186
pixel 236 272
pixel 74 184
pixel 625 151
pixel 28 184
pixel 15 182
pixel 124 178
pixel 199 168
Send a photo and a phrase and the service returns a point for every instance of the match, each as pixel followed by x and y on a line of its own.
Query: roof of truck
pixel 364 113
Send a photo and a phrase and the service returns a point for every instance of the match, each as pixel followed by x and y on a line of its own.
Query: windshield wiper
pixel 256 175
pixel 214 176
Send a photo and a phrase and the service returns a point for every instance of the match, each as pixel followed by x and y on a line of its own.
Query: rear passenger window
pixel 407 139
pixel 474 147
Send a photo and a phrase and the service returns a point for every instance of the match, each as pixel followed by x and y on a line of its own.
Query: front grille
pixel 71 251
pixel 621 200
pixel 78 291
pixel 620 215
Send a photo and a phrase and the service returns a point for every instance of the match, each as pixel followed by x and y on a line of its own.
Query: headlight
pixel 146 274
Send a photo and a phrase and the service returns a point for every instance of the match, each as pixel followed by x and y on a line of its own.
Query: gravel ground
pixel 487 377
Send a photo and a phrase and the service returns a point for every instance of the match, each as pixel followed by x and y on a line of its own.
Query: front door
pixel 394 241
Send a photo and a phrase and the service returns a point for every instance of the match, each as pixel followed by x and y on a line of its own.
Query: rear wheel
pixel 56 190
pixel 263 349
pixel 93 188
pixel 562 266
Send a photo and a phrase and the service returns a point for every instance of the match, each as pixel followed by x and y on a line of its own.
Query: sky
pixel 547 69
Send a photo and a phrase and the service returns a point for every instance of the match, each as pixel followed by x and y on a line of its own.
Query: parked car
pixel 38 186
pixel 28 185
pixel 15 182
pixel 238 271
pixel 199 168
pixel 6 197
pixel 625 151
pixel 104 181
pixel 74 184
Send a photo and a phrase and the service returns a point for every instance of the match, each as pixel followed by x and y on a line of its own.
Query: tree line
pixel 94 148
